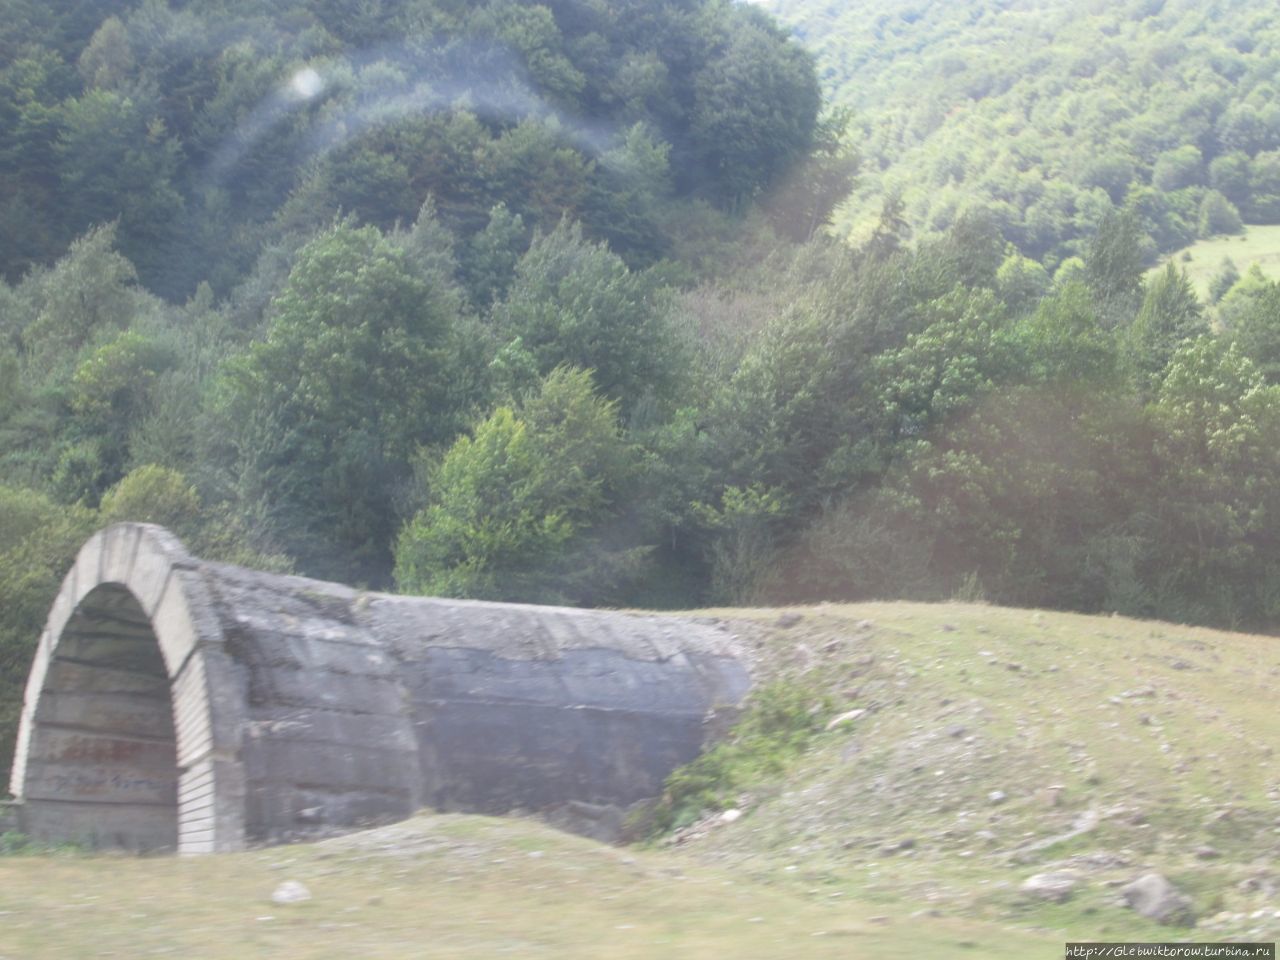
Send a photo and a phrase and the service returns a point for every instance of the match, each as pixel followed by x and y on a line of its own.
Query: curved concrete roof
pixel 175 702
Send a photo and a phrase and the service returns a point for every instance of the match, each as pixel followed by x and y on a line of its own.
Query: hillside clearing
pixel 1259 244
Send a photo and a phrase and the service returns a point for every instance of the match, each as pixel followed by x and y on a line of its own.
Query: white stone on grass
pixel 291 891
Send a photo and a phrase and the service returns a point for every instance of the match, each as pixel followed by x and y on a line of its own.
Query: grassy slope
pixel 1161 736
pixel 445 887
pixel 1259 244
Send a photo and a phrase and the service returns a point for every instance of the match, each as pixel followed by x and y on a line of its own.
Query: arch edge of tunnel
pixel 153 567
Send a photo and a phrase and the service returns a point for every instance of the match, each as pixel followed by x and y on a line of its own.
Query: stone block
pixel 98 786
pixel 137 713
pixel 149 574
pixel 10 817
pixel 305 688
pixel 607 679
pixel 340 767
pixel 140 828
pixel 119 544
pixel 174 624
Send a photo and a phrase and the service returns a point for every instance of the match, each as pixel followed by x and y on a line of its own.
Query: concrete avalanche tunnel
pixel 177 703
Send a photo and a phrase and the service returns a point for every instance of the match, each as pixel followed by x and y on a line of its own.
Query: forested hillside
pixel 265 263
pixel 208 129
pixel 530 301
pixel 1046 114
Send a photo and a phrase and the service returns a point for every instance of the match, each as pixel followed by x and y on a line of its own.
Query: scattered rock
pixel 847 717
pixel 1085 822
pixel 897 846
pixel 1155 897
pixel 291 891
pixel 1139 692
pixel 1259 883
pixel 860 666
pixel 729 816
pixel 957 731
pixel 604 822
pixel 310 815
pixel 1207 853
pixel 1056 887
pixel 997 796
pixel 719 720
pixel 865 624
pixel 1050 796
pixel 788 620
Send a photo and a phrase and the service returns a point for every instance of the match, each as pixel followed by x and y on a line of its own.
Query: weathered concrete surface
pixel 9 817
pixel 179 703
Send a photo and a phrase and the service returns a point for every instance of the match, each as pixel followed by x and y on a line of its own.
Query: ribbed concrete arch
pixel 128 735
pixel 178 702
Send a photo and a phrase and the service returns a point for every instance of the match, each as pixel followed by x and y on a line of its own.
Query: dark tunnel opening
pixel 102 762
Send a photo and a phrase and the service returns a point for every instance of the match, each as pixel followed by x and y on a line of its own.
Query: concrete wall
pixel 106 741
pixel 9 820
pixel 175 702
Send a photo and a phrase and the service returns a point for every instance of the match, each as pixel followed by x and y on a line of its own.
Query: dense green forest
pixel 533 301
pixel 1045 114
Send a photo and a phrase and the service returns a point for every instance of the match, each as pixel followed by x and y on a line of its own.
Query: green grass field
pixel 1258 244
pixel 994 744
pixel 452 888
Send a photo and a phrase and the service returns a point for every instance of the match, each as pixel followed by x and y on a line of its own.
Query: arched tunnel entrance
pixel 131 723
pixel 101 764
pixel 178 702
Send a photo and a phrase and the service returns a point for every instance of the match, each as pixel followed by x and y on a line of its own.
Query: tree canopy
pixel 1046 114
pixel 534 301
